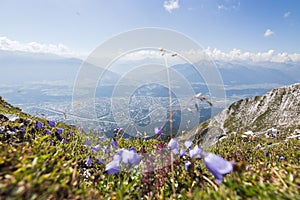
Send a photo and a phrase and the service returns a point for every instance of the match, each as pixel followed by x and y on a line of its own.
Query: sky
pixel 227 28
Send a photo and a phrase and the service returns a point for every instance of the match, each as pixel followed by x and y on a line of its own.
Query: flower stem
pixel 170 98
pixel 171 124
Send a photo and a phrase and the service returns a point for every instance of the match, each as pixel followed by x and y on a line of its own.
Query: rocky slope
pixel 278 109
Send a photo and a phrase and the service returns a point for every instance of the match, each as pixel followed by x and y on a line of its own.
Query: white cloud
pixel 238 55
pixel 287 14
pixel 229 5
pixel 171 5
pixel 221 7
pixel 142 54
pixel 215 54
pixel 34 47
pixel 268 33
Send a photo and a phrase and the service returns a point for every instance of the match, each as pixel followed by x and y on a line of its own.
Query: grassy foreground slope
pixel 52 163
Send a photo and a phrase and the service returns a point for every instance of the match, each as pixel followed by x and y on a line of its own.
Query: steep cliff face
pixel 279 108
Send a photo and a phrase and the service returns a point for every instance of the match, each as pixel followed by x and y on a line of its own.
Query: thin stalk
pixel 170 98
pixel 172 174
pixel 171 126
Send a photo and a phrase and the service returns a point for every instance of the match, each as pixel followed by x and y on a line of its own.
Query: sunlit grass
pixel 40 166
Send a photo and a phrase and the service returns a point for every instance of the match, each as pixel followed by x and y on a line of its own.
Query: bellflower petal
pixel 114 144
pixel 118 157
pixel 130 157
pixel 132 149
pixel 196 151
pixel 187 164
pixel 100 161
pixel 173 144
pixel 157 131
pixel 188 144
pixel 136 159
pixel 64 141
pixel 182 152
pixel 97 147
pixel 113 167
pixel 175 151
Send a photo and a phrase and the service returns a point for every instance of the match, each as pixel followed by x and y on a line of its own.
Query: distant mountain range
pixel 23 67
pixel 19 68
pixel 34 78
pixel 245 73
pixel 279 109
pixel 238 74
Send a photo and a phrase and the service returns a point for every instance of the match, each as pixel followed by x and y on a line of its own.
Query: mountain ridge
pixel 277 109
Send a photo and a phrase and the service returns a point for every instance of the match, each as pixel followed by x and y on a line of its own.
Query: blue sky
pixel 81 25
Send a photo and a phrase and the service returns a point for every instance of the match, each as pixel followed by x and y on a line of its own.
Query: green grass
pixel 38 166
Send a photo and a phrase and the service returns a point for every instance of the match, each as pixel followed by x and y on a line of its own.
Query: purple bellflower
pixel 48 132
pixel 39 125
pixel 281 158
pixel 114 144
pixel 122 156
pixel 88 142
pixel 267 153
pixel 173 145
pixel 89 162
pixel 59 130
pixel 51 123
pixel 23 130
pixel 107 149
pixel 217 165
pixel 97 147
pixel 157 131
pixel 58 136
pixel 71 133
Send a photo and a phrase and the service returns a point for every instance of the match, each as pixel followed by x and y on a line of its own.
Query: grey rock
pixel 275 112
pixel 272 133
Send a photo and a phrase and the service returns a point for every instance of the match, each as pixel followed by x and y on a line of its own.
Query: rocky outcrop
pixel 278 109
